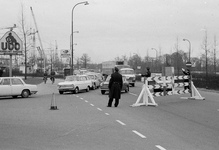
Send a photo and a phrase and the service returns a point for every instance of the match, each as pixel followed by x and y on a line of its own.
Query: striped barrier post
pixel 166 85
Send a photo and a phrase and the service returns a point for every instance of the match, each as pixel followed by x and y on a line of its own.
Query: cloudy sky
pixel 114 28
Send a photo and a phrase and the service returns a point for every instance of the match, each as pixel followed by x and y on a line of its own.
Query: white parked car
pixel 94 79
pixel 75 83
pixel 15 86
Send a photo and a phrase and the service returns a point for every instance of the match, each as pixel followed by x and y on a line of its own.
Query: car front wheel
pixel 25 93
pixel 60 92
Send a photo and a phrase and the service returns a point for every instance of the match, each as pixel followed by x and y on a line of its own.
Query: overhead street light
pixel 156 57
pixel 189 47
pixel 72 62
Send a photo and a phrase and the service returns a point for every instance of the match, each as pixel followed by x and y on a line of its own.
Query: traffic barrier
pixel 53 103
pixel 166 85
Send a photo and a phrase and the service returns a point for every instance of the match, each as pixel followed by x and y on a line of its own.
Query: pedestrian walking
pixel 115 86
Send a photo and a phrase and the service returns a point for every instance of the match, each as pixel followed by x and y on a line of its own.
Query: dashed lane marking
pixel 107 114
pixel 139 134
pixel 160 147
pixel 81 98
pixel 121 122
pixel 99 109
pixel 92 104
pixel 133 94
pixel 86 101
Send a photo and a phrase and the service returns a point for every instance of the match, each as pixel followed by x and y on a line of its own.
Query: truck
pixel 124 69
pixel 129 73
pixel 108 66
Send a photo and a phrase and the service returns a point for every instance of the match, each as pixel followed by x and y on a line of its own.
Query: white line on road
pixel 99 109
pixel 92 104
pixel 160 147
pixel 139 134
pixel 133 94
pixel 107 114
pixel 81 98
pixel 121 122
pixel 86 101
pixel 77 96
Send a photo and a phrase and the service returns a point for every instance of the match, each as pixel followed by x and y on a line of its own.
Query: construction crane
pixel 41 45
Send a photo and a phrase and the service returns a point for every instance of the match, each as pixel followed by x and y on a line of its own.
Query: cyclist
pixel 45 75
pixel 52 77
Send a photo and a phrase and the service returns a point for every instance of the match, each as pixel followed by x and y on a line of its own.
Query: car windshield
pixel 127 71
pixel 72 78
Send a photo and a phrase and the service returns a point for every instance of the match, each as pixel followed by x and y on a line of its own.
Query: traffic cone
pixel 53 103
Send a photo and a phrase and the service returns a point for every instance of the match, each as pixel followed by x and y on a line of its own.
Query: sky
pixel 116 28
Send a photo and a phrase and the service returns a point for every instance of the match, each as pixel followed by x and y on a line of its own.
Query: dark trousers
pixel 111 100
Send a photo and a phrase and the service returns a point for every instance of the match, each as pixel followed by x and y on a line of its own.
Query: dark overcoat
pixel 115 85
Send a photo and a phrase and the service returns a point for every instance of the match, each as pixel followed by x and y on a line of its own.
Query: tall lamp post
pixel 189 47
pixel 156 57
pixel 85 3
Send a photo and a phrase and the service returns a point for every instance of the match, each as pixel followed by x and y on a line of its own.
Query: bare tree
pixel 215 53
pixel 205 46
pixel 24 32
pixel 85 59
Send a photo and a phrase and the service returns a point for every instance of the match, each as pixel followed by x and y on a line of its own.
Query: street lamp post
pixel 189 47
pixel 72 62
pixel 156 57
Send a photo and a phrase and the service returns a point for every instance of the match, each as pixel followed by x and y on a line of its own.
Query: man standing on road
pixel 148 73
pixel 115 86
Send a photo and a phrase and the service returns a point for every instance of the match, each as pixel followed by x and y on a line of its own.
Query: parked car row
pixel 15 86
pixel 76 83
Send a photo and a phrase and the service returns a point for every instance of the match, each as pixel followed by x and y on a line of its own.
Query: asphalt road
pixel 83 122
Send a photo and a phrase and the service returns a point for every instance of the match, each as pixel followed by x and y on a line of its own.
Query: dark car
pixel 104 85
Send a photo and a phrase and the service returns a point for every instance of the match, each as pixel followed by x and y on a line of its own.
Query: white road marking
pixel 139 134
pixel 81 98
pixel 121 122
pixel 160 147
pixel 107 114
pixel 77 96
pixel 99 109
pixel 133 94
pixel 92 104
pixel 86 101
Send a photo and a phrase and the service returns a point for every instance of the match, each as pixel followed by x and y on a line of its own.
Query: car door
pixel 83 82
pixel 80 83
pixel 5 87
pixel 16 86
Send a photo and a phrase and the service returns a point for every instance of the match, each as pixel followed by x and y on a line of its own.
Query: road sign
pixel 188 64
pixel 65 53
pixel 10 44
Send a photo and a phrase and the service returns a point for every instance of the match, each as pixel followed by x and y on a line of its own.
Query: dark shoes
pixel 108 106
